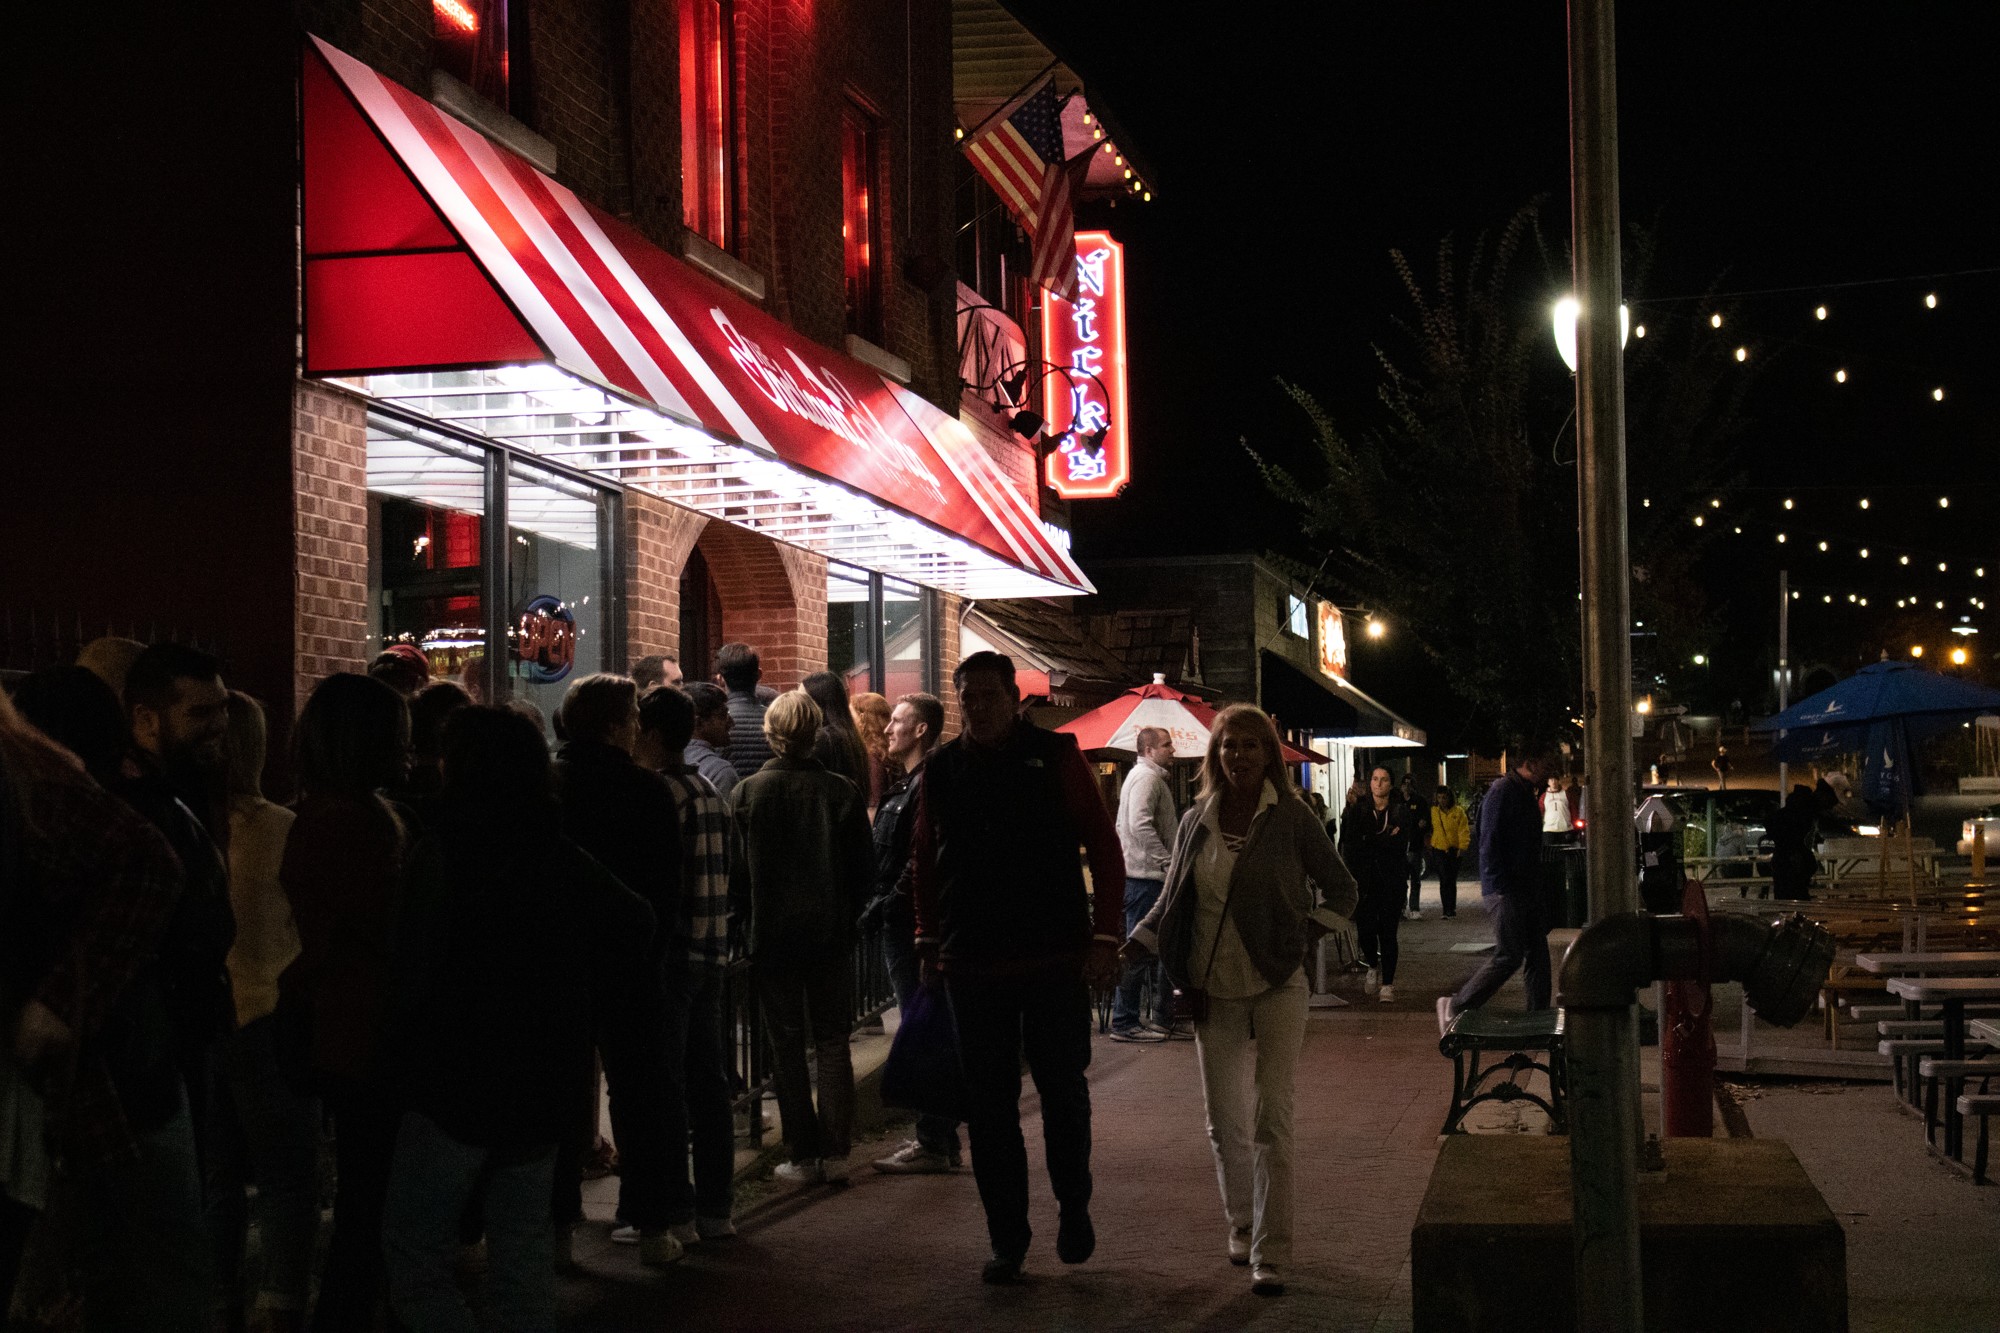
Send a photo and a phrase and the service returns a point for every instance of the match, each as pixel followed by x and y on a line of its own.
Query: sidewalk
pixel 903 1253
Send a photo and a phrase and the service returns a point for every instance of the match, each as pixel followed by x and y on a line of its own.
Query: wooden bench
pixel 1477 1031
pixel 1982 1106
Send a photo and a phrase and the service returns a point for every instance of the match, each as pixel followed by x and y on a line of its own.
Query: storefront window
pixel 469 42
pixel 847 628
pixel 555 584
pixel 426 573
pixel 878 633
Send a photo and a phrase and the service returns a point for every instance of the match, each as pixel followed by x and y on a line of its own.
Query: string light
pixel 1819 312
pixel 1930 300
pixel 1937 395
pixel 1788 503
pixel 1840 377
pixel 1941 567
pixel 1639 331
pixel 1864 553
pixel 1698 520
pixel 1715 321
pixel 1781 537
pixel 1822 546
pixel 1944 502
pixel 1715 504
pixel 1864 502
pixel 1742 354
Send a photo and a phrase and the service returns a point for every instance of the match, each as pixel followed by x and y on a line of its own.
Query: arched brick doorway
pixel 770 596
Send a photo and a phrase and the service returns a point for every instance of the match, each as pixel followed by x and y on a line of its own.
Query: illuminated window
pixel 860 222
pixel 1297 619
pixel 708 119
pixel 472 41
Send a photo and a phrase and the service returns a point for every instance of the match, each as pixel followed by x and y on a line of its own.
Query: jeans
pixel 1375 922
pixel 801 997
pixel 1248 1094
pixel 1044 1015
pixel 433 1178
pixel 273 1145
pixel 141 1226
pixel 364 1141
pixel 1446 865
pixel 632 1037
pixel 1521 941
pixel 1140 895
pixel 698 1107
pixel 1413 860
pixel 935 1133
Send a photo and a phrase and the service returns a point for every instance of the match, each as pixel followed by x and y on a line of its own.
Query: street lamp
pixel 1958 657
pixel 1376 628
pixel 1564 319
pixel 1916 650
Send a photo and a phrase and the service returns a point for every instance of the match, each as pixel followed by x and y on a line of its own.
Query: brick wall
pixel 658 537
pixel 945 647
pixel 773 598
pixel 330 573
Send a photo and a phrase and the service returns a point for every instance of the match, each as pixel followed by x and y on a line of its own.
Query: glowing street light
pixel 1564 317
pixel 1916 650
pixel 1375 628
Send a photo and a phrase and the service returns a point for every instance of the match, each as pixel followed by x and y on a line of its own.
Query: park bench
pixel 1936 1072
pixel 1476 1033
pixel 1905 1052
pixel 1982 1106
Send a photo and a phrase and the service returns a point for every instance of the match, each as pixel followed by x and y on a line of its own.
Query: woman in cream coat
pixel 1253 883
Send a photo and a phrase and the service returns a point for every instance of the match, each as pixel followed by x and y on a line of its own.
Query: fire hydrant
pixel 1687 1038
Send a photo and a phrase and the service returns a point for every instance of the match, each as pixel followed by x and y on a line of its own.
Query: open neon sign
pixel 1087 336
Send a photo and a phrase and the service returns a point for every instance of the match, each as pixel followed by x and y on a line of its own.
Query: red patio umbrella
pixel 1187 719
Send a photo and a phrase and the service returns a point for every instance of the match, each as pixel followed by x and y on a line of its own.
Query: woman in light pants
pixel 1253 883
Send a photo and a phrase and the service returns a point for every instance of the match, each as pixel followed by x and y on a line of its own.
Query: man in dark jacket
pixel 912 734
pixel 624 816
pixel 740 669
pixel 1510 869
pixel 1003 913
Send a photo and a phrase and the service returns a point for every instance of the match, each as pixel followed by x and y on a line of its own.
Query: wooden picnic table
pixel 1984 1029
pixel 1951 995
pixel 1955 963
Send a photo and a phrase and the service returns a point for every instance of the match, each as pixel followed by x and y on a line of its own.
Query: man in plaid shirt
pixel 699 1104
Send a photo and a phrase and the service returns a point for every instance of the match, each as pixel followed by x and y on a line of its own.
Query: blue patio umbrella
pixel 1880 711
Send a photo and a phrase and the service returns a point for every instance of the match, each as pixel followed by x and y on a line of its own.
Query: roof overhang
pixel 468 293
pixel 1331 707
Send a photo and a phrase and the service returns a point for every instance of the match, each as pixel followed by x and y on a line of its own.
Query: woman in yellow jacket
pixel 1451 834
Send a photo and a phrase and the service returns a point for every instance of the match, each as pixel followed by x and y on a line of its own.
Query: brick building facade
pixel 216 492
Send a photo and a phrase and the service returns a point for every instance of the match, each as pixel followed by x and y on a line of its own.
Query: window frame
pixel 861 124
pixel 708 201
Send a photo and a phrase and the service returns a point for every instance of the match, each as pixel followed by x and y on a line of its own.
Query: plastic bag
pixel 923 1072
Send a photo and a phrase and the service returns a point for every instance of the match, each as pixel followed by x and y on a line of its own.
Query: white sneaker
pixel 624 1235
pixel 808 1172
pixel 833 1170
pixel 1412 915
pixel 1373 981
pixel 1388 994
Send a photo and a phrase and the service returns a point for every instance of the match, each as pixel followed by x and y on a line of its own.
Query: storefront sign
pixel 1332 641
pixel 1087 338
pixel 545 639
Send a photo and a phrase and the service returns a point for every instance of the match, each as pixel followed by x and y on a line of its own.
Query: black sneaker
pixel 1136 1034
pixel 1001 1271
pixel 1076 1238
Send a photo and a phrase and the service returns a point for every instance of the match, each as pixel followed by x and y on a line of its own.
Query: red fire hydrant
pixel 1687 1039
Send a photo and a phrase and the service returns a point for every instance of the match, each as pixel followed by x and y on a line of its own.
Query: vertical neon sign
pixel 1087 337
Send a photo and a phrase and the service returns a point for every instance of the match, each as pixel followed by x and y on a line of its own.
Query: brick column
pixel 658 537
pixel 773 598
pixel 945 649
pixel 330 532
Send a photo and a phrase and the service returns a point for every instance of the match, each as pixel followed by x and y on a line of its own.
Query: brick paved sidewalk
pixel 904 1253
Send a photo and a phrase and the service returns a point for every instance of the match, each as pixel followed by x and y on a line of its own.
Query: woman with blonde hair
pixel 803 859
pixel 1252 884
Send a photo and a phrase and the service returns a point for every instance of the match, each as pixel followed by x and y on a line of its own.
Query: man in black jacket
pixel 912 734
pixel 624 816
pixel 1002 912
pixel 1510 854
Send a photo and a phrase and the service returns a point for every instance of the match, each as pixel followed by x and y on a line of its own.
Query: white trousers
pixel 1248 1051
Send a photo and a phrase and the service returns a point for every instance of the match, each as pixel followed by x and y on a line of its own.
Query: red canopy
pixel 1186 718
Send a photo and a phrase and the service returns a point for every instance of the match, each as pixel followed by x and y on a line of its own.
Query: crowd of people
pixel 421 967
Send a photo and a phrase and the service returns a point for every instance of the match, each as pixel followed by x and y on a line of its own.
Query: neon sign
pixel 1087 337
pixel 545 639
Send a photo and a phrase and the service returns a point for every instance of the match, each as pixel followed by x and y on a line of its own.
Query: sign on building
pixel 1085 407
pixel 1332 641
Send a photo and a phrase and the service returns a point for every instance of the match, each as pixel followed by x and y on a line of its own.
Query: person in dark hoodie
pixel 624 815
pixel 1374 842
pixel 504 927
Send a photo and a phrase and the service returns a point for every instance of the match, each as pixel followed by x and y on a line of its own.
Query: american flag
pixel 1021 156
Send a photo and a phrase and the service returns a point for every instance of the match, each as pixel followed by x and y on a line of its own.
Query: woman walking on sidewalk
pixel 1373 838
pixel 1232 928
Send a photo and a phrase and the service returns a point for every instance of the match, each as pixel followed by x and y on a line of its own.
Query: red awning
pixel 439 265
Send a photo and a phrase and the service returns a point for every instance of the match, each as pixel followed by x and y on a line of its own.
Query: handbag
pixel 923 1071
pixel 1194 1000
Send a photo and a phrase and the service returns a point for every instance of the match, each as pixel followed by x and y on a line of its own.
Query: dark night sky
pixel 1770 146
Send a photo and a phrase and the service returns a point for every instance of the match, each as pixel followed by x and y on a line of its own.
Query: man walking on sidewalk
pixel 1451 834
pixel 1146 820
pixel 1510 859
pixel 1002 912
pixel 912 733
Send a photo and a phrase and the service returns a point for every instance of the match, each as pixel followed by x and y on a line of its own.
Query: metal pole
pixel 1603 1169
pixel 1784 661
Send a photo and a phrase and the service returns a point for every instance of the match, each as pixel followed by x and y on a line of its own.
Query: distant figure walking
pixel 1722 766
pixel 1510 865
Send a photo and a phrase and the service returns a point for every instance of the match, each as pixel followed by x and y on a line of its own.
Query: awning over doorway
pixel 452 281
pixel 1326 706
